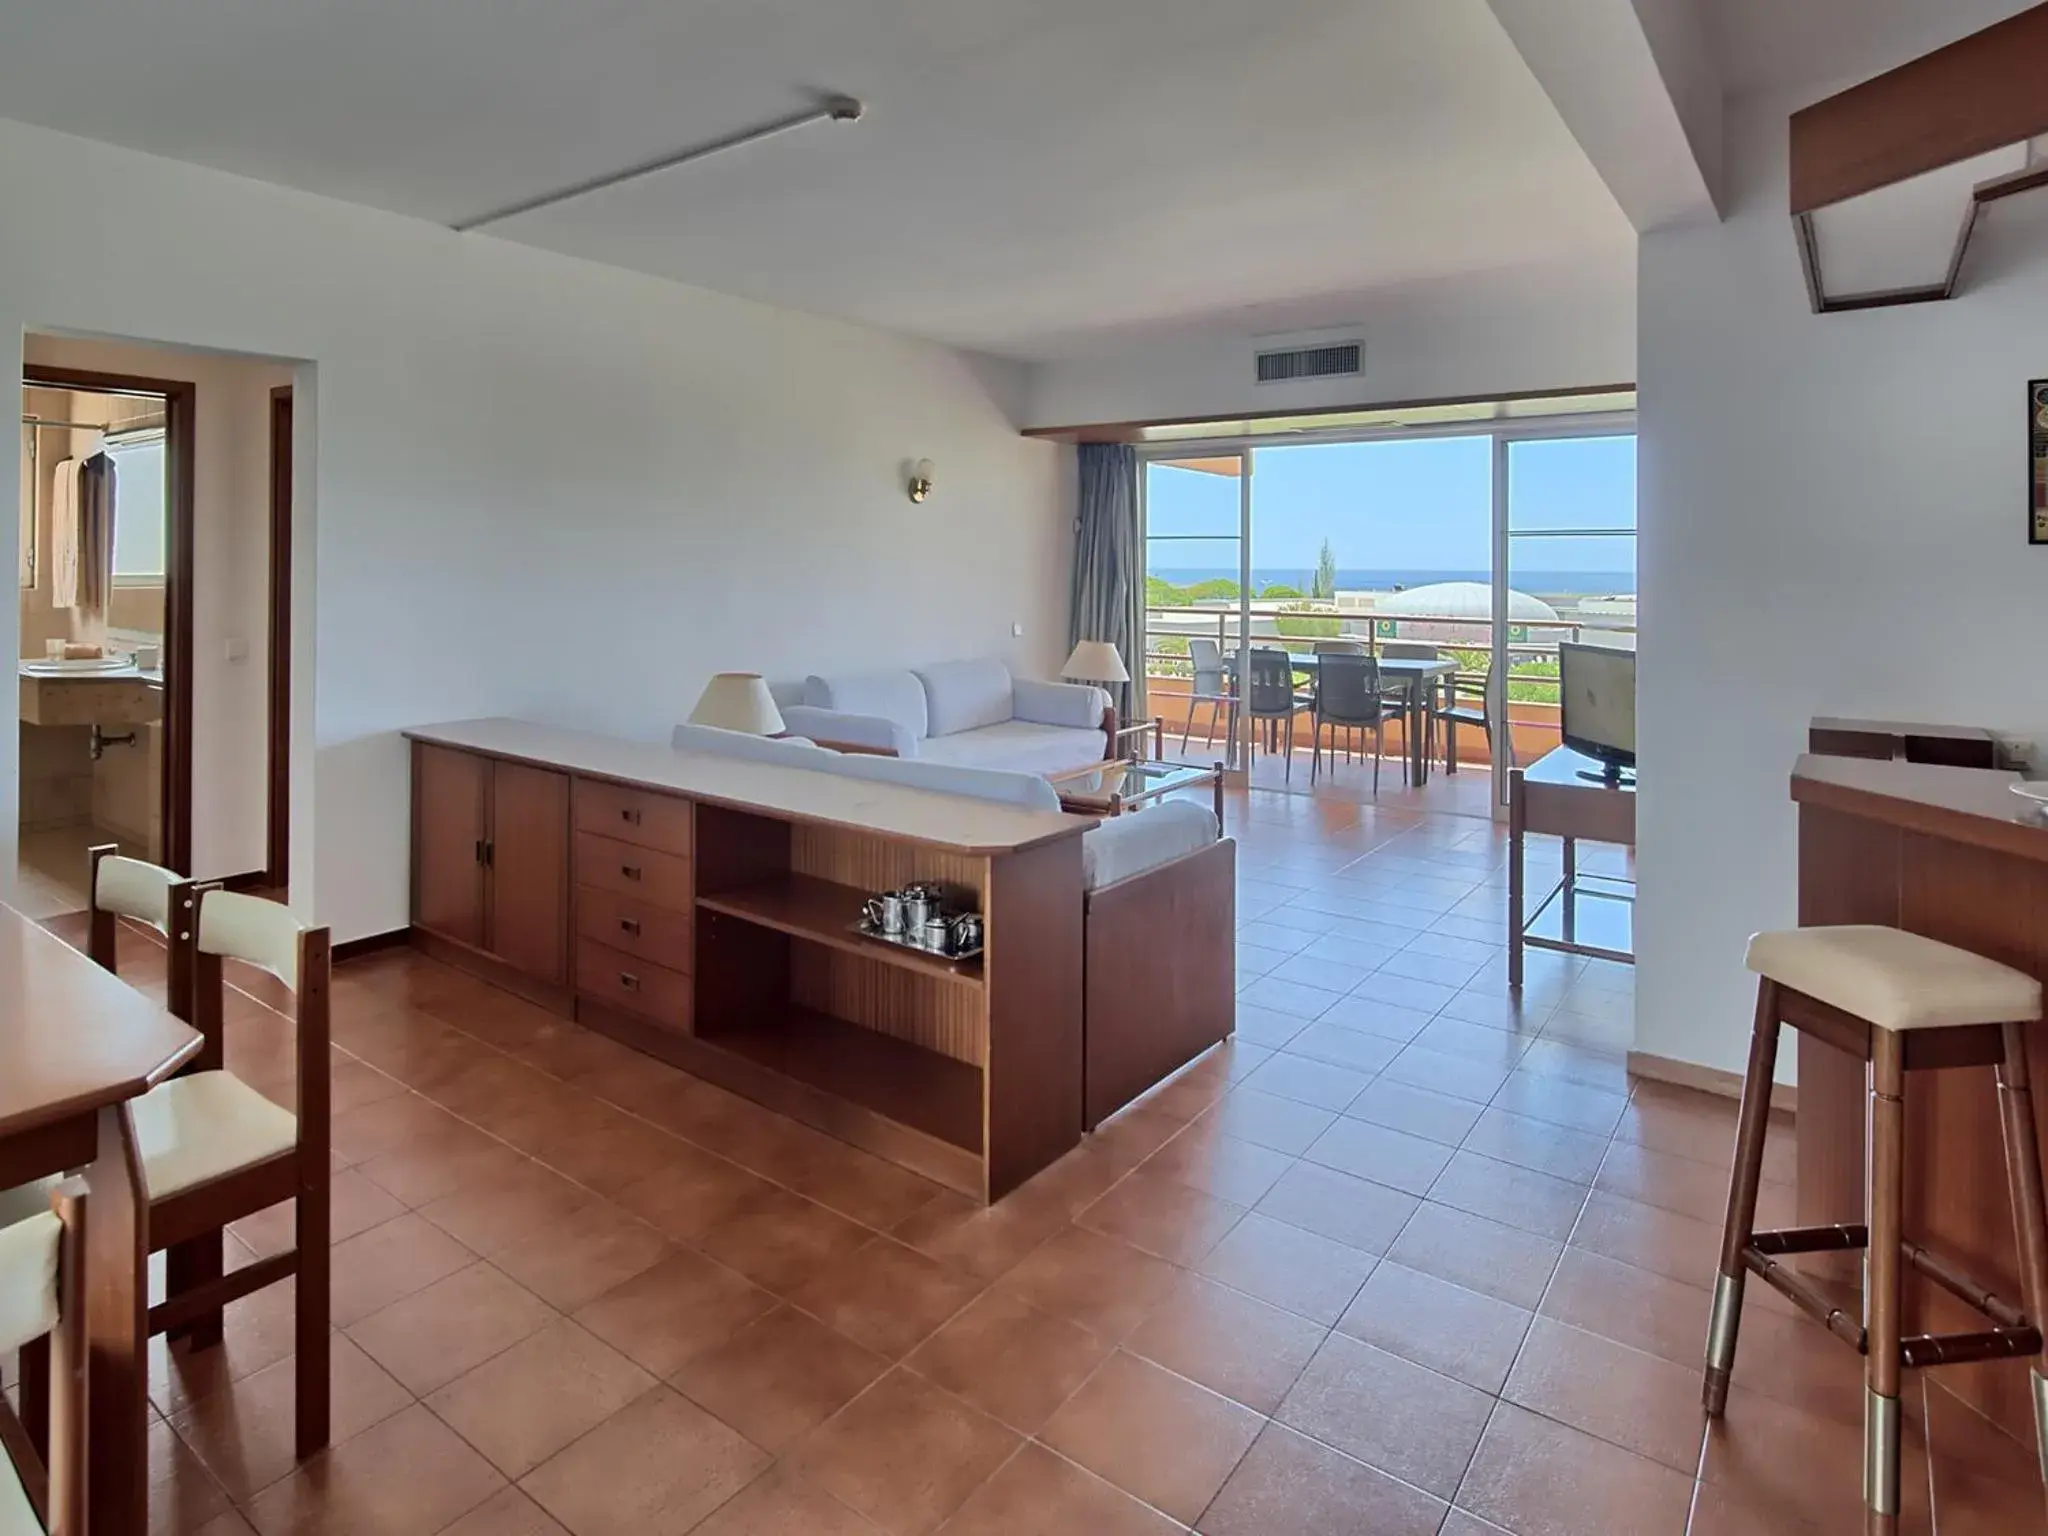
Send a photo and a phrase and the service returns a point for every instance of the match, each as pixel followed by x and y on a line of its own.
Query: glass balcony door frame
pixel 1502 432
pixel 1619 424
pixel 1237 740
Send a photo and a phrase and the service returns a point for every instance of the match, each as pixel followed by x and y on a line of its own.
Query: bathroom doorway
pixel 105 583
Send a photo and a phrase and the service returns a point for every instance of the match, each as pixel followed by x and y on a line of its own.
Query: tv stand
pixel 1567 795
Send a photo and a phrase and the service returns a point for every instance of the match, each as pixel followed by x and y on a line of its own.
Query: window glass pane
pixel 1191 572
pixel 1553 568
pixel 139 510
pixel 1193 498
pixel 1572 483
pixel 1391 515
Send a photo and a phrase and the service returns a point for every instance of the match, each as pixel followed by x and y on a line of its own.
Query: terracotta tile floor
pixel 1407 1256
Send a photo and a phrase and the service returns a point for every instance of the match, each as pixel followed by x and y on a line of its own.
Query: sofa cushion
pixel 1075 704
pixel 1023 789
pixel 793 750
pixel 897 696
pixel 1131 844
pixel 839 730
pixel 965 695
pixel 1017 745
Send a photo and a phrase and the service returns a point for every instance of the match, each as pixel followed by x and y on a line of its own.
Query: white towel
pixel 65 549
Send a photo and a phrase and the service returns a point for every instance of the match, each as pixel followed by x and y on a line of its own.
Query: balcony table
pixel 1413 674
pixel 76 1044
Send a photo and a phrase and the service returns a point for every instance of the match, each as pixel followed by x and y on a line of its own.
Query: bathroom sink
pixel 72 668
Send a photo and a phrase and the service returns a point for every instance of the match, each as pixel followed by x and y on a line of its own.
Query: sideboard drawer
pixel 634 926
pixel 633 985
pixel 629 870
pixel 633 816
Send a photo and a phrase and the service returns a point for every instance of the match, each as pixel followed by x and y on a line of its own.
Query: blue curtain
pixel 1109 566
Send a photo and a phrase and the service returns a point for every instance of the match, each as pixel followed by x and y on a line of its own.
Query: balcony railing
pixel 1533 715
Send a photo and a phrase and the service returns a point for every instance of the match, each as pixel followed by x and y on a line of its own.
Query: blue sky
pixel 1416 505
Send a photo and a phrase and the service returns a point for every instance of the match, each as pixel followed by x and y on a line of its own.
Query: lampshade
pixel 738 701
pixel 1096 661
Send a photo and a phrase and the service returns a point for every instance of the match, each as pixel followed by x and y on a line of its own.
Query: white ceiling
pixel 1033 174
pixel 1770 45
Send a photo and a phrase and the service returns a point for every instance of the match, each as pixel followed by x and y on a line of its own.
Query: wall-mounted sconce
pixel 921 479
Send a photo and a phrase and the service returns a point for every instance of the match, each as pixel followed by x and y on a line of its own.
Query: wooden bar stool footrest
pixel 1963 1288
pixel 1802 1293
pixel 1810 1239
pixel 2015 1337
pixel 1964 1348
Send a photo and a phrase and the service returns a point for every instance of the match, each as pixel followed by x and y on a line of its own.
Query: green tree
pixel 1280 589
pixel 1325 584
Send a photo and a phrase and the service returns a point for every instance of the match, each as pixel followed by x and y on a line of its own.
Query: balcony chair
pixel 214 1149
pixel 1210 687
pixel 1351 694
pixel 1271 698
pixel 1450 712
pixel 42 1310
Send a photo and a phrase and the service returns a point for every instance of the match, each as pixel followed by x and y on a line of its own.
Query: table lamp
pixel 738 701
pixel 1095 661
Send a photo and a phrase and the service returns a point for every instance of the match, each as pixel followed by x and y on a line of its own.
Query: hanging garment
pixel 83 533
pixel 64 534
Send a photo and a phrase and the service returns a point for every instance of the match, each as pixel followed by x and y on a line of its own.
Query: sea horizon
pixel 1537 583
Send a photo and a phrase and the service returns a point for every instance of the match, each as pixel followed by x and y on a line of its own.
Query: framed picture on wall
pixel 2037 461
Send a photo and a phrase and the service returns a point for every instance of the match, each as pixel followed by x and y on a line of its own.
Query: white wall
pixel 1476 336
pixel 231 584
pixel 1833 521
pixel 533 486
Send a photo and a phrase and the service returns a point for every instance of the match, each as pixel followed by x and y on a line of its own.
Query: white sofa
pixel 1116 849
pixel 971 714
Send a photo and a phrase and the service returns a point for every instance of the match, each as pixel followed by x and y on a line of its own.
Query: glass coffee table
pixel 1110 789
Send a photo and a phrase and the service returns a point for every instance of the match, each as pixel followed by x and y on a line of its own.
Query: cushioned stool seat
pixel 1895 980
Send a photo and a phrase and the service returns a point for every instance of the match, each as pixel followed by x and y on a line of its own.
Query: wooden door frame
pixel 277 870
pixel 180 397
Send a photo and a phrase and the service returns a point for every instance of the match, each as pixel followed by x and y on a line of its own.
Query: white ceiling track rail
pixel 833 109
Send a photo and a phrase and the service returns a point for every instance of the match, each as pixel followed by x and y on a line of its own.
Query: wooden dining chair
pixel 213 1149
pixel 42 1302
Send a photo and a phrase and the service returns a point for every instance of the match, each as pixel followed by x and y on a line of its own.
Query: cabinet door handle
pixel 490 852
pixel 629 981
pixel 630 817
pixel 630 871
pixel 630 925
pixel 479 850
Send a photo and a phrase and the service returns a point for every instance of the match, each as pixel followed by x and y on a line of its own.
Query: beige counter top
pixel 952 822
pixel 1969 805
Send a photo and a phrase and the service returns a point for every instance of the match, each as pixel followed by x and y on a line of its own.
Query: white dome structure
pixel 1465 600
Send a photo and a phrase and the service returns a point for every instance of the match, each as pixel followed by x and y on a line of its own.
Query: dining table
pixel 76 1045
pixel 1415 674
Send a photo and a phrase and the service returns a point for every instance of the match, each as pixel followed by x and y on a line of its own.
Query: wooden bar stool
pixel 1902 1003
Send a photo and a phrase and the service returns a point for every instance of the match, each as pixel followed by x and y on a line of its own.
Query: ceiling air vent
pixel 1325 362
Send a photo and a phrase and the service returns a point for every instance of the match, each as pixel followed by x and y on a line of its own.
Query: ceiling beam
pixel 1981 93
pixel 1638 84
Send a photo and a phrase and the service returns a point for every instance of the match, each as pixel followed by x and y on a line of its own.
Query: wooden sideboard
pixel 704 910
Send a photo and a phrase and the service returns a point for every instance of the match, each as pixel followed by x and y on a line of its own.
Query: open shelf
pixel 826 912
pixel 906 1083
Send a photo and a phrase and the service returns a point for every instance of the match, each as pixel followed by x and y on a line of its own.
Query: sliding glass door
pixel 1197 578
pixel 1473 546
pixel 1568 573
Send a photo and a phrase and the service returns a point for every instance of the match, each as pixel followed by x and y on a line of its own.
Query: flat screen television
pixel 1597 689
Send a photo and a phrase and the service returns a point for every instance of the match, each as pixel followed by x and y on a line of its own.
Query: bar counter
pixel 1954 854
